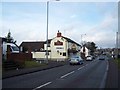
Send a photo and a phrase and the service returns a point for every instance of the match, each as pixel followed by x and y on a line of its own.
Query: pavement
pixel 17 72
pixel 112 75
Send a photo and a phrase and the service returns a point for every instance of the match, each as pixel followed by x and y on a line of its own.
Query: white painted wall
pixel 45 47
pixel 86 51
pixel 39 55
pixel 57 51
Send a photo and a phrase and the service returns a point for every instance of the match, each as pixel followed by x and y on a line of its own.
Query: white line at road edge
pixel 104 77
pixel 67 74
pixel 42 85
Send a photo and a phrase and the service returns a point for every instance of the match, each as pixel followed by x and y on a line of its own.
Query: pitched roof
pixel 69 40
pixel 3 39
pixel 36 45
pixel 49 40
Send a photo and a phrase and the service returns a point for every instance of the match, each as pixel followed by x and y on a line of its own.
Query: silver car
pixel 76 60
pixel 89 58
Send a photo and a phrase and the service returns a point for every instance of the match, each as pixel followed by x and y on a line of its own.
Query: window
pixel 48 45
pixel 64 54
pixel 15 48
pixel 60 53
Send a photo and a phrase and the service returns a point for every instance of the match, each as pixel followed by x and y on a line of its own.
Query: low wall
pixel 19 57
pixel 39 55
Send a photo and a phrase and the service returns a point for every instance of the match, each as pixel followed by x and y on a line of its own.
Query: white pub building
pixel 63 47
pixel 59 48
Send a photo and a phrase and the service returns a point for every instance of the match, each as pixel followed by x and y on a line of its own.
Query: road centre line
pixel 67 74
pixel 81 67
pixel 85 65
pixel 42 85
pixel 107 66
pixel 60 77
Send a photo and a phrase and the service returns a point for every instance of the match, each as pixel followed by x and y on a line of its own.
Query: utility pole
pixel 117 44
pixel 82 38
pixel 47 53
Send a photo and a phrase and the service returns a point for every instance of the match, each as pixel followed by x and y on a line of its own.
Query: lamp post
pixel 47 33
pixel 47 30
pixel 117 44
pixel 81 38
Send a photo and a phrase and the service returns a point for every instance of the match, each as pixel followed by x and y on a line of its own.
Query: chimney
pixel 59 34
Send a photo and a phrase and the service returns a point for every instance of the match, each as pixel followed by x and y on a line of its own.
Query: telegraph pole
pixel 117 44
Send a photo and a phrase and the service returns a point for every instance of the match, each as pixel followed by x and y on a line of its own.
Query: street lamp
pixel 117 44
pixel 47 30
pixel 82 37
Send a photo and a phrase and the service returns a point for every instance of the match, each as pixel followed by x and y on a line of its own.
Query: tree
pixel 91 46
pixel 9 39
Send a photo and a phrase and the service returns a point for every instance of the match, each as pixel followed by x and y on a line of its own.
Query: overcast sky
pixel 27 21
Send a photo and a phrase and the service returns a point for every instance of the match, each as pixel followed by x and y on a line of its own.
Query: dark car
pixel 101 57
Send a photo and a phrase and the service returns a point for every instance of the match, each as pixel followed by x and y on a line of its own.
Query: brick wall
pixel 19 57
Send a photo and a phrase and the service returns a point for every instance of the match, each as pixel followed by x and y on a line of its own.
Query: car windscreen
pixel 75 57
pixel 15 48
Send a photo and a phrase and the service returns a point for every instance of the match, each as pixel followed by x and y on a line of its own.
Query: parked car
pixel 76 60
pixel 13 48
pixel 89 58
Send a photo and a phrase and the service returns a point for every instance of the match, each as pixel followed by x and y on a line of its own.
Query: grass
pixel 118 62
pixel 31 64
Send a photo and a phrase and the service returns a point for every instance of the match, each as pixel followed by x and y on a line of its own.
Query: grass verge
pixel 118 62
pixel 32 64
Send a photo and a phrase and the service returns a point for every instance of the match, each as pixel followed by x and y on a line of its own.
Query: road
pixel 91 74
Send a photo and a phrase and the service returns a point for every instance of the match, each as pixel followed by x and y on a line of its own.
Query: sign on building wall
pixel 59 48
pixel 73 46
pixel 58 43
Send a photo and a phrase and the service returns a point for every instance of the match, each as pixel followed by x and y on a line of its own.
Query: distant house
pixel 32 46
pixel 37 48
pixel 84 50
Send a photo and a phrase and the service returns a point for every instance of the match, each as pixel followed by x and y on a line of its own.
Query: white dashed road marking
pixel 67 74
pixel 42 85
pixel 81 67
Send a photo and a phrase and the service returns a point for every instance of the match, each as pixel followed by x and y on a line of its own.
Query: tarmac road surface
pixel 91 74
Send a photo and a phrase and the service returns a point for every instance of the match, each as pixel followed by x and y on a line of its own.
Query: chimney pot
pixel 59 34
